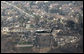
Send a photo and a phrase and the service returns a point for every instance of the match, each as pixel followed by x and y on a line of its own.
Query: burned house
pixel 43 39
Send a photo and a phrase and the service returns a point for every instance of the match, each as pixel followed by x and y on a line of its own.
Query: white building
pixel 5 29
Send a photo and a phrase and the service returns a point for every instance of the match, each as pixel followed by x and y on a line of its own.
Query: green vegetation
pixel 32 26
pixel 24 42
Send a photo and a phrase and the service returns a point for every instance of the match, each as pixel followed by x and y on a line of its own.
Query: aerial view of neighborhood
pixel 41 26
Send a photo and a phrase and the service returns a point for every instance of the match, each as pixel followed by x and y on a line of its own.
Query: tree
pixel 32 26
